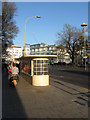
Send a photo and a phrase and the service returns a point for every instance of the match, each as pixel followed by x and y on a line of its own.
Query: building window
pixel 40 49
pixel 50 48
pixel 41 45
pixel 45 48
pixel 36 49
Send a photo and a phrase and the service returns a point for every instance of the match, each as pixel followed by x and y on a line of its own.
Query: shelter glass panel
pixel 40 67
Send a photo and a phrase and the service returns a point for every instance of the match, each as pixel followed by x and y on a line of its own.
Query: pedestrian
pixel 9 68
pixel 25 67
pixel 15 71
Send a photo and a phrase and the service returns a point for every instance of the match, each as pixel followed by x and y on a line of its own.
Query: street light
pixel 83 25
pixel 25 29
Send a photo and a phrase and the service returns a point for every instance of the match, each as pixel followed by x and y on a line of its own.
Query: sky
pixel 53 17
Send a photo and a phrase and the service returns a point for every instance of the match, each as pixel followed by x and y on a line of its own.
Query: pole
pixel 84 48
pixel 83 25
pixel 25 29
pixel 24 37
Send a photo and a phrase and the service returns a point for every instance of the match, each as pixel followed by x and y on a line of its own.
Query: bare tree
pixel 9 28
pixel 70 38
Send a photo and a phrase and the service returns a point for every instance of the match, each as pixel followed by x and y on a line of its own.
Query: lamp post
pixel 83 25
pixel 25 29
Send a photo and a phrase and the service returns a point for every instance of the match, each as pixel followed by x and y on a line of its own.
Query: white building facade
pixel 63 56
pixel 14 52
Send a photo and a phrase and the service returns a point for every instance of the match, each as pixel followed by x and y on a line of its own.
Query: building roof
pixel 52 45
pixel 27 44
pixel 45 45
pixel 16 46
pixel 38 44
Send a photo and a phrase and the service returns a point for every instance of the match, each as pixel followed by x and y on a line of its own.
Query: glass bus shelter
pixel 37 67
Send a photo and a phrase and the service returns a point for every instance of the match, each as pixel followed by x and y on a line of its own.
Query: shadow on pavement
pixel 12 106
pixel 81 97
pixel 26 77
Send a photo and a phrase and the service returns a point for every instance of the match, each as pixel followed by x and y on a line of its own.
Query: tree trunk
pixel 73 60
pixel 73 57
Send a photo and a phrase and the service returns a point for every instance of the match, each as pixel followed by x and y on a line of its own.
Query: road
pixel 76 76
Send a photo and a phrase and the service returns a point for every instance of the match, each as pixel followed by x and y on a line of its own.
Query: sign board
pixel 85 57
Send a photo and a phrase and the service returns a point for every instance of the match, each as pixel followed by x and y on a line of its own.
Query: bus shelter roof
pixel 37 56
